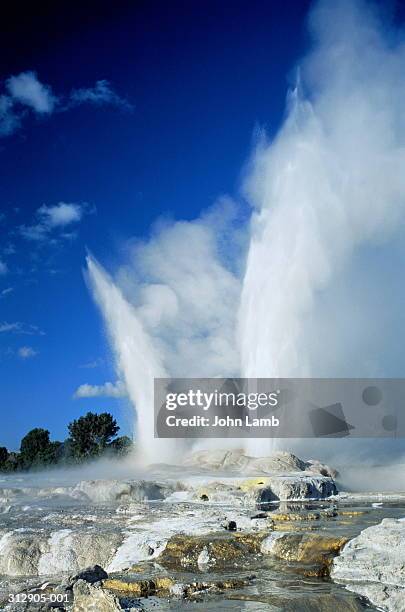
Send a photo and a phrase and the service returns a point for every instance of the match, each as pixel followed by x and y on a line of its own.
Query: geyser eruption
pixel 178 314
pixel 332 180
pixel 330 183
pixel 137 360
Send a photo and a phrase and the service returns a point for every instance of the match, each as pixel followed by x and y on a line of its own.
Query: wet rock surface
pixel 90 575
pixel 255 534
pixel 214 551
pixel 236 461
pixel 373 564
pixel 91 598
pixel 310 553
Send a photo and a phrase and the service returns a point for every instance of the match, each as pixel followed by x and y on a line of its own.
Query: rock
pixel 20 552
pixel 352 513
pixel 219 492
pixel 259 515
pixel 293 516
pixel 190 589
pixel 139 588
pixel 283 488
pixel 72 551
pixel 237 461
pixel 90 598
pixel 118 490
pixel 373 564
pixel 307 548
pixel 388 598
pixel 278 462
pixel 234 460
pixel 132 508
pixel 33 552
pixel 303 487
pixel 213 551
pixel 91 574
pixel 163 586
pixel 230 525
pixel 321 468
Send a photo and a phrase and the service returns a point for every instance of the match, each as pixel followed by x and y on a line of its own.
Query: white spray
pixel 137 361
pixel 332 181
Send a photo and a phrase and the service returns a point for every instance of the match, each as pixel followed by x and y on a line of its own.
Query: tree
pixel 121 446
pixel 90 435
pixel 3 457
pixel 33 443
pixel 12 463
pixel 37 450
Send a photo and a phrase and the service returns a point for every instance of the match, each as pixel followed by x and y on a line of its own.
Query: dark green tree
pixel 90 435
pixel 4 454
pixel 121 446
pixel 37 450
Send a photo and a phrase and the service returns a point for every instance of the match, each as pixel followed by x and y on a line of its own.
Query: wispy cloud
pixel 10 121
pixel 90 365
pixel 27 352
pixel 21 328
pixel 58 217
pixel 108 389
pixel 25 93
pixel 9 249
pixel 7 291
pixel 101 94
pixel 3 268
pixel 26 89
pixel 9 327
pixel 33 232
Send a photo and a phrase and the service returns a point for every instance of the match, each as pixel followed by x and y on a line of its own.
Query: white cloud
pixel 33 232
pixel 21 328
pixel 108 389
pixel 26 352
pixel 3 268
pixel 9 120
pixel 90 365
pixel 26 89
pixel 9 327
pixel 7 291
pixel 25 92
pixel 61 214
pixel 50 218
pixel 100 95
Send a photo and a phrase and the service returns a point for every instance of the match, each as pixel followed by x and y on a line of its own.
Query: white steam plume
pixel 331 184
pixel 137 361
pixel 174 313
pixel 333 179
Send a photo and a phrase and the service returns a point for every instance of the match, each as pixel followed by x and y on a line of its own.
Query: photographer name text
pixel 216 421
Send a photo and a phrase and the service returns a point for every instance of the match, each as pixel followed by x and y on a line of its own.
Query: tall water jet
pixel 332 181
pixel 171 312
pixel 137 361
pixel 330 184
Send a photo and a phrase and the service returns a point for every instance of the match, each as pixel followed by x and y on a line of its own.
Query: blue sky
pixel 110 118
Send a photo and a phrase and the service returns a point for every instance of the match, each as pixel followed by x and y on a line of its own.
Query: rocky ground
pixel 222 531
